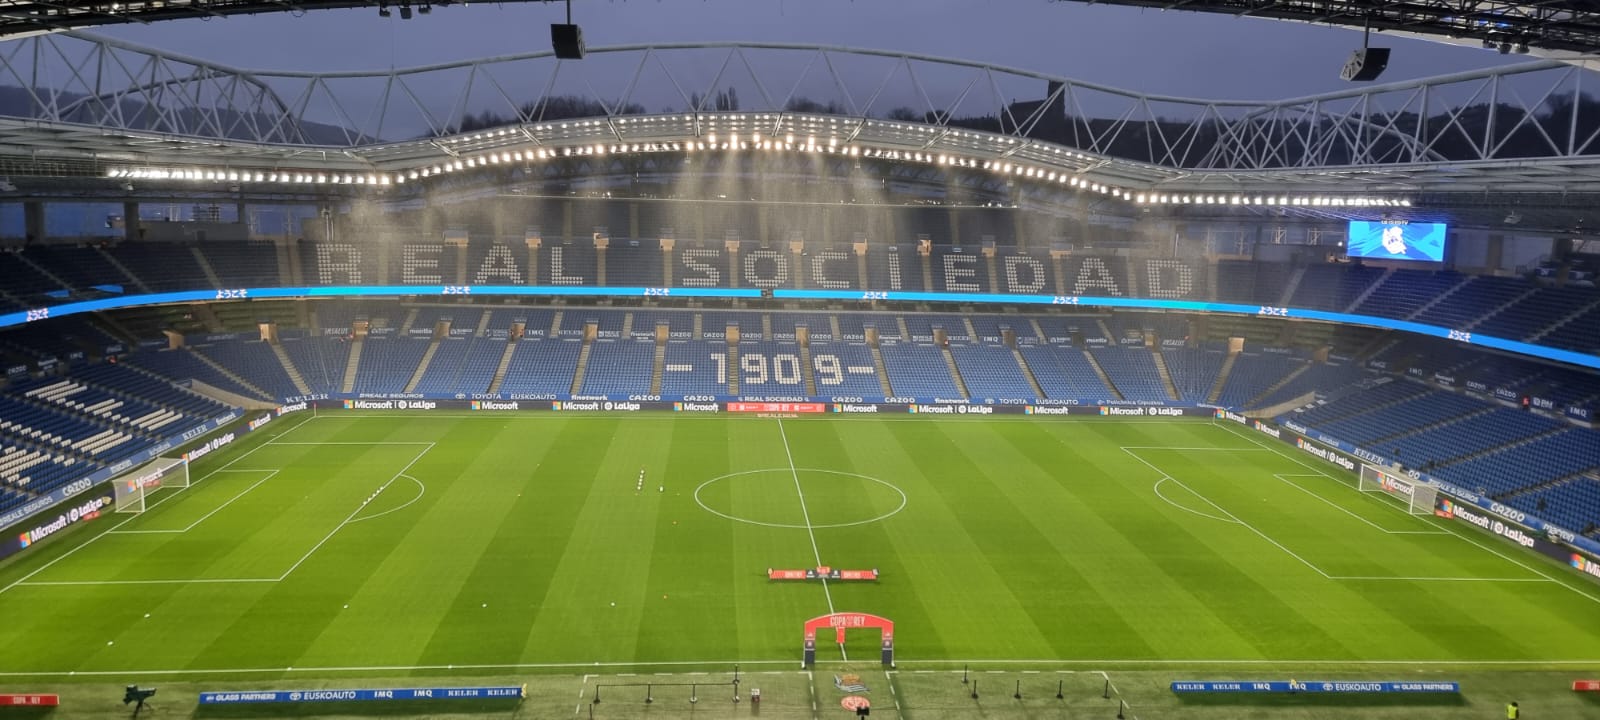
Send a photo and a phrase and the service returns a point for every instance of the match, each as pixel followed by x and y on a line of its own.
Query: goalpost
pixel 1419 497
pixel 132 488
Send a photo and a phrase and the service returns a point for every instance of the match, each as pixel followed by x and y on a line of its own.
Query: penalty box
pixel 1329 526
pixel 255 519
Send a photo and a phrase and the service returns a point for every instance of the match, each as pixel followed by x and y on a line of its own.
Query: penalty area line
pixel 203 518
pixel 351 517
pixel 152 506
pixel 1536 571
pixel 1224 511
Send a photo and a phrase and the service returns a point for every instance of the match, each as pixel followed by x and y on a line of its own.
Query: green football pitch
pixel 387 546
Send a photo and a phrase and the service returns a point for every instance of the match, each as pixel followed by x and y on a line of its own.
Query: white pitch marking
pixel 204 517
pixel 421 489
pixel 806 514
pixel 699 663
pixel 152 506
pixel 358 509
pixel 1285 479
pixel 58 583
pixel 1193 449
pixel 1450 530
pixel 1157 489
pixel 1224 511
pixel 1438 579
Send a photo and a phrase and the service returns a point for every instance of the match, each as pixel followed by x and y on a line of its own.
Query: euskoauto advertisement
pixel 1510 524
pixel 89 497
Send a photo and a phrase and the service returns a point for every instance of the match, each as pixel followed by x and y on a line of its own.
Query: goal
pixel 132 488
pixel 1419 497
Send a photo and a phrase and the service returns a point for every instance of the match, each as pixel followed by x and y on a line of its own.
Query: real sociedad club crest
pixel 850 683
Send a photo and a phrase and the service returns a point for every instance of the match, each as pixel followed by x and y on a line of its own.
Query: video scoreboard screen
pixel 1419 242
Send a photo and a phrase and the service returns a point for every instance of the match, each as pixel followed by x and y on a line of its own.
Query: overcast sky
pixel 1171 53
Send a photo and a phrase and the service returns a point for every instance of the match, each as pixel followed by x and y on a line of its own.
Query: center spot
pixel 769 497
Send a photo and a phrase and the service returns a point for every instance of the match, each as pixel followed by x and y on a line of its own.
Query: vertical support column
pixel 602 241
pixel 955 226
pixel 633 220
pixel 860 246
pixel 458 240
pixel 432 223
pixel 130 220
pixel 566 221
pixel 667 243
pixel 797 251
pixel 33 220
pixel 1493 250
pixel 533 240
pixel 731 245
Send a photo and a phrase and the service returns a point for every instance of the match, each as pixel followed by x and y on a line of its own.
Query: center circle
pixel 771 497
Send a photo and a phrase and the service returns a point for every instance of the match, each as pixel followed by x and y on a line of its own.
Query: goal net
pixel 1419 497
pixel 132 488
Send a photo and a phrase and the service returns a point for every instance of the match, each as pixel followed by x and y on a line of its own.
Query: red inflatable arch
pixel 841 622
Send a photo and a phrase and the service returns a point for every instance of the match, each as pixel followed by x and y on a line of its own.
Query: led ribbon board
pixel 1522 348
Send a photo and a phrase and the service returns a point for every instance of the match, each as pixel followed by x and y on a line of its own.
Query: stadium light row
pixel 736 142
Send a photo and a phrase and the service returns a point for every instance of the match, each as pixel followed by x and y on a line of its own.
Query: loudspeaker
pixel 1365 64
pixel 567 40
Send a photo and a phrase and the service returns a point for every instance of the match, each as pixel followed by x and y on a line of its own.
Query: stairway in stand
pixel 290 370
pixel 583 366
pixel 349 383
pixel 955 372
pixel 500 370
pixel 1166 376
pixel 422 366
pixel 1222 378
pixel 1101 373
pixel 657 367
pixel 883 374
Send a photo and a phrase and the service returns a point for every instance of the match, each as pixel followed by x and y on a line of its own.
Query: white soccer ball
pixel 613 604
pixel 663 488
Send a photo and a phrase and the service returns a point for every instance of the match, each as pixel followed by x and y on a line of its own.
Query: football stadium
pixel 786 380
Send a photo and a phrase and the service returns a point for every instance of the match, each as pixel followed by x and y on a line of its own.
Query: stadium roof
pixel 91 106
pixel 1569 26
